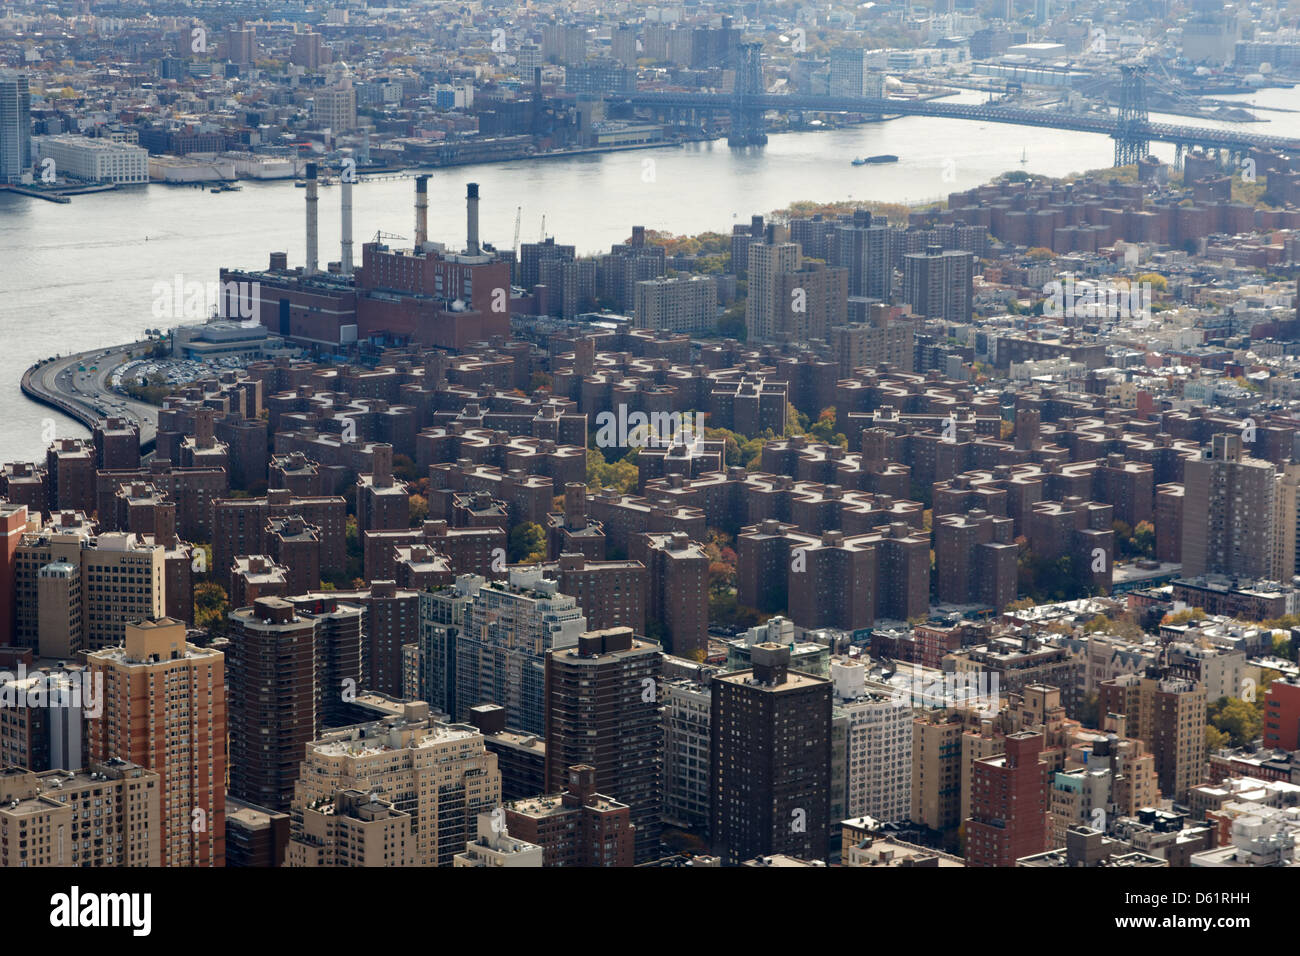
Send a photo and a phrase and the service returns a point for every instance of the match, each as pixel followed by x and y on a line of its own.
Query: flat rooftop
pixel 369 746
pixel 793 679
pixel 249 816
pixel 552 805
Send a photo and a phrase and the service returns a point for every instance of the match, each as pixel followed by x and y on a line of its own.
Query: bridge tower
pixel 747 127
pixel 1131 135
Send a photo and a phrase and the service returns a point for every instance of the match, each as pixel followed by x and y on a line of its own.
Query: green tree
pixel 1283 623
pixel 796 422
pixel 527 543
pixel 824 428
pixel 404 468
pixel 211 605
pixel 1049 580
pixel 731 324
pixel 1144 539
pixel 355 564
pixel 1123 537
pixel 1215 739
pixel 741 450
pixel 724 609
pixel 1240 720
pixel 1266 676
pixel 722 574
pixel 620 475
pixel 205 562
pixel 1139 542
pixel 1282 647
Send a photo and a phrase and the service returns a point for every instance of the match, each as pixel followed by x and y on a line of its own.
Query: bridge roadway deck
pixel 1229 139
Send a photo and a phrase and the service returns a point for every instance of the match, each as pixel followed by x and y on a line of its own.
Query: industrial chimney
pixel 345 198
pixel 421 212
pixel 471 215
pixel 311 220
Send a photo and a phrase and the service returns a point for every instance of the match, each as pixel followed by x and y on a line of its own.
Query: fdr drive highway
pixel 77 385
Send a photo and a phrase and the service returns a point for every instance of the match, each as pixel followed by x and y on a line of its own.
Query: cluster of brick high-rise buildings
pixel 1090 214
pixel 431 615
pixel 1065 470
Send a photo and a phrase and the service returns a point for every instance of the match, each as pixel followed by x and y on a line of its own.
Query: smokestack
pixel 471 215
pixel 345 194
pixel 204 420
pixel 164 524
pixel 421 211
pixel 575 505
pixel 381 466
pixel 311 220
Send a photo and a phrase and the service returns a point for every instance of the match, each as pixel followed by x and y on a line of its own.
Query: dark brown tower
pixel 769 760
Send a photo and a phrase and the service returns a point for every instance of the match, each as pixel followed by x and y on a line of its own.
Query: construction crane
pixel 519 211
pixel 381 236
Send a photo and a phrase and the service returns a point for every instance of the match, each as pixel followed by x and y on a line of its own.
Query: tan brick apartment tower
pixel 107 815
pixel 1168 715
pixel 1228 512
pixel 440 775
pixel 165 710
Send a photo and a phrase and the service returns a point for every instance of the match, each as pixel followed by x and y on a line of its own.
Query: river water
pixel 82 275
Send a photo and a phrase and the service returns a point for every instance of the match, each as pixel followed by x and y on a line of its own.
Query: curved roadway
pixel 86 396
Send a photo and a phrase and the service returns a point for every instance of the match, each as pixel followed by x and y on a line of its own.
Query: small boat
pixel 876 160
pixel 215 189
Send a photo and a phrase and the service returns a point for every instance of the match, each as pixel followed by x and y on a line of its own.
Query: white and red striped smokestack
pixel 421 211
pixel 312 226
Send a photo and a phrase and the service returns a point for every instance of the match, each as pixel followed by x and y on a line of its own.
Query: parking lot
pixel 171 371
